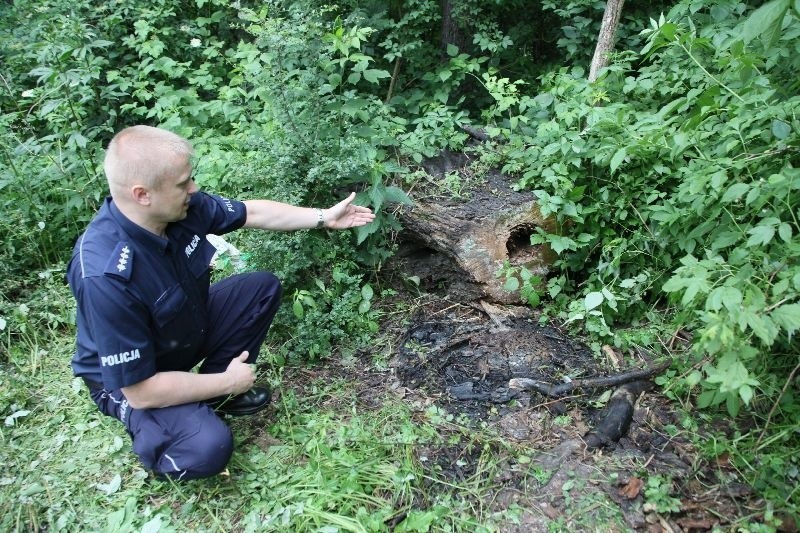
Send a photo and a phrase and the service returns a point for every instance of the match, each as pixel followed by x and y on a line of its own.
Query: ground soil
pixel 460 356
pixel 458 351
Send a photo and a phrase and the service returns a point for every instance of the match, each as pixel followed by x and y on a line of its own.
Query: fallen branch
pixel 556 391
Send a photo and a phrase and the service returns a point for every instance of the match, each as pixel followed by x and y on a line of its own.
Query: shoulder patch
pixel 120 264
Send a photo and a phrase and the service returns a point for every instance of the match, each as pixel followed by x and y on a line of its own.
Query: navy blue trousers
pixel 190 441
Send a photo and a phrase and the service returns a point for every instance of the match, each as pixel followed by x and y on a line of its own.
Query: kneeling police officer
pixel 148 313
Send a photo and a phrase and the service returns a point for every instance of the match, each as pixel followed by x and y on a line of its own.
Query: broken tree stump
pixel 479 229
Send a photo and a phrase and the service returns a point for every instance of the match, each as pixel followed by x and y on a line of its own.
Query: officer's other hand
pixel 242 375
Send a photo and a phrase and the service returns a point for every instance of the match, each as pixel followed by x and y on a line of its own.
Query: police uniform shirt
pixel 142 298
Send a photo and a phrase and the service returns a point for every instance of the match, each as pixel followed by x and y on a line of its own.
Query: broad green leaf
pixel 559 243
pixel 452 50
pixel 763 327
pixel 617 159
pixel 297 309
pixel 706 399
pixel 152 526
pixel 377 194
pixel 445 75
pixel 373 75
pixel 760 235
pixel 694 286
pixel 363 131
pixel 693 378
pixel 735 192
pixel 785 232
pixel 544 99
pixel 746 393
pixel 725 239
pixel 396 194
pixel 674 284
pixel 780 129
pixel 367 292
pixel 532 298
pixel 765 22
pixel 511 284
pixel 592 300
pixel 353 105
pixel 731 298
pixel 787 316
pixel 362 232
pixel 112 486
pixel 732 405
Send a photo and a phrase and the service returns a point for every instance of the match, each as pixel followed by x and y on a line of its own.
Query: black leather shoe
pixel 247 403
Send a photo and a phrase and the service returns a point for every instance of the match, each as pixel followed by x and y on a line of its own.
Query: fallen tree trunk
pixel 479 228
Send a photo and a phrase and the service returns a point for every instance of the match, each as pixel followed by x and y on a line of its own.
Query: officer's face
pixel 171 199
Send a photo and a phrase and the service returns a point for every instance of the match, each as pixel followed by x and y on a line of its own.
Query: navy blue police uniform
pixel 146 305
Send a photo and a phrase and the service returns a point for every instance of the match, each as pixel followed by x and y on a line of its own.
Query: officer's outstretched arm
pixel 277 216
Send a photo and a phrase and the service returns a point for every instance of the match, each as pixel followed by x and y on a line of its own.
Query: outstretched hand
pixel 346 215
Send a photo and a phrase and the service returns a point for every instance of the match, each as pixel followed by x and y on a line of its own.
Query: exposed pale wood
pixel 605 41
pixel 479 246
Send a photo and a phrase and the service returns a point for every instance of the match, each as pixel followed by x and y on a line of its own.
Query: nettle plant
pixel 674 183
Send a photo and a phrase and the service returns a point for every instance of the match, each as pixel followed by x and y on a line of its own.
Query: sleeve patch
pixel 120 264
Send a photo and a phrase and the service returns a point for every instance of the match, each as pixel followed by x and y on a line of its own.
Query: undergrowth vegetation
pixel 673 180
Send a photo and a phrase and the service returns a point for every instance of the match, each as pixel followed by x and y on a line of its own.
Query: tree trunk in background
pixel 605 42
pixel 451 33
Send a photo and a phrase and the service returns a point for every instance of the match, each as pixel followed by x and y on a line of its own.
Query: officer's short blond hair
pixel 143 155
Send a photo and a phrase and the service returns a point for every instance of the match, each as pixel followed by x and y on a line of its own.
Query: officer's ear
pixel 141 195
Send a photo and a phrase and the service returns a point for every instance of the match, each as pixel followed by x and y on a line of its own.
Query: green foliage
pixel 523 280
pixel 658 495
pixel 698 190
